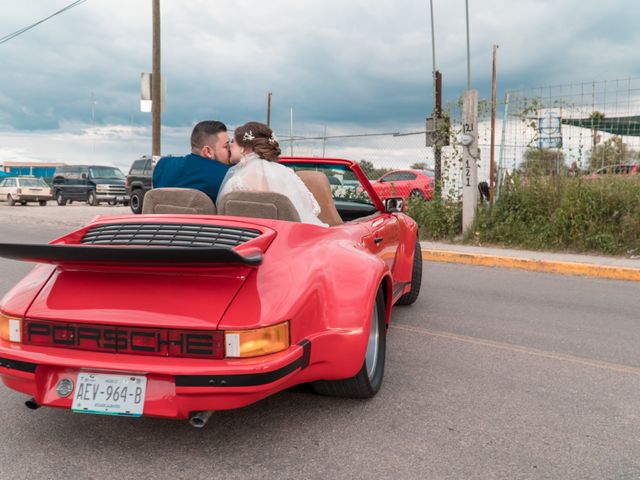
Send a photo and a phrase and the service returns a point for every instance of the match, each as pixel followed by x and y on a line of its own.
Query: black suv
pixel 90 183
pixel 139 182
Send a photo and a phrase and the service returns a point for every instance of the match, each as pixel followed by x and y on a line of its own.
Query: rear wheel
pixel 416 278
pixel 367 382
pixel 136 200
pixel 10 201
pixel 60 198
pixel 92 199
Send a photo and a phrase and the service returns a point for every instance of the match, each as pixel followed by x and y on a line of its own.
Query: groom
pixel 204 168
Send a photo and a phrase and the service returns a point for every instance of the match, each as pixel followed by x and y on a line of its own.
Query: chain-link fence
pixel 560 129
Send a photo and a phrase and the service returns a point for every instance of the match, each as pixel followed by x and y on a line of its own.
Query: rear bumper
pixel 32 198
pixel 174 389
pixel 121 197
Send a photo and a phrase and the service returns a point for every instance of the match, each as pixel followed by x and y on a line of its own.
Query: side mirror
pixel 394 204
pixel 84 176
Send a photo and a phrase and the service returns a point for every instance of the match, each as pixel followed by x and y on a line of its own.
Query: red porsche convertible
pixel 178 315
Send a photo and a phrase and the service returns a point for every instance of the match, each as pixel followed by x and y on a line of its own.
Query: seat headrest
pixel 258 205
pixel 318 185
pixel 178 201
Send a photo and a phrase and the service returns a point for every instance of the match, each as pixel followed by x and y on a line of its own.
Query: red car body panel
pixel 323 281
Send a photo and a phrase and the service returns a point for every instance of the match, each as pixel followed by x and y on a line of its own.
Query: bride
pixel 255 151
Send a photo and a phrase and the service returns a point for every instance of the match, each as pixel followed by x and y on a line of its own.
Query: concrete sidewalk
pixel 563 263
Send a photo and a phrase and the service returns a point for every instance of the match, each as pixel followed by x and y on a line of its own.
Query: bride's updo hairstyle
pixel 259 138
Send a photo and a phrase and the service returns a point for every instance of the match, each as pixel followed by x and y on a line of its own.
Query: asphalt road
pixel 491 374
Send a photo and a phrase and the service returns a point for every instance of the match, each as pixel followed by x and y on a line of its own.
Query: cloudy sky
pixel 353 65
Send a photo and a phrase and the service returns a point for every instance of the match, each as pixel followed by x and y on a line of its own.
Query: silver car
pixel 25 189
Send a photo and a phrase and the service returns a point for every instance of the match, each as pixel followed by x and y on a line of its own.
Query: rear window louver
pixel 168 235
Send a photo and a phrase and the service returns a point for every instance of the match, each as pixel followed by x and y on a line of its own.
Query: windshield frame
pixel 347 165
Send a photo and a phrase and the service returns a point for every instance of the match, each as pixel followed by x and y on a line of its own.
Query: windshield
pixel 33 182
pixel 106 172
pixel 345 186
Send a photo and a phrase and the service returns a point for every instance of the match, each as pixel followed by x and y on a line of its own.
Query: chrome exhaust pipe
pixel 31 404
pixel 200 419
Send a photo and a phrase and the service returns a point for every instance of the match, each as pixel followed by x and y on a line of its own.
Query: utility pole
pixel 324 141
pixel 470 157
pixel 156 82
pixel 269 109
pixel 470 154
pixel 437 146
pixel 291 131
pixel 468 48
pixel 93 119
pixel 492 167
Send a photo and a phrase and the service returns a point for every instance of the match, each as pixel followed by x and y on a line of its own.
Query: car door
pixel 405 184
pixel 386 185
pixel 3 189
pixel 385 238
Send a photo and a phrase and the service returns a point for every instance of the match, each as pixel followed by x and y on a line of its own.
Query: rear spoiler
pixel 75 254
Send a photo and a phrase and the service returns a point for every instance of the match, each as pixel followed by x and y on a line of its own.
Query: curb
pixel 547 266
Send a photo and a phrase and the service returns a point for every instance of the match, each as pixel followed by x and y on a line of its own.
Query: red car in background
pixel 408 184
pixel 623 169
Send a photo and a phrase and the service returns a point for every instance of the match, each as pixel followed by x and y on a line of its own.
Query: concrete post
pixel 470 157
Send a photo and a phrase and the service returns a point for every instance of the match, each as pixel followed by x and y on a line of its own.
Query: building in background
pixel 37 169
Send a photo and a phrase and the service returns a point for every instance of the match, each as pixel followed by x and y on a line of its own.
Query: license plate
pixel 108 394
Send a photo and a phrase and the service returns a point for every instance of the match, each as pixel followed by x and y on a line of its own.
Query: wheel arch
pixel 386 284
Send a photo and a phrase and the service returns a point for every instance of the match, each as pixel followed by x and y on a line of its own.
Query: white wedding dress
pixel 254 174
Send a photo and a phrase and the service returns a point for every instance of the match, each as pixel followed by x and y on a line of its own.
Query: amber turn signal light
pixel 253 343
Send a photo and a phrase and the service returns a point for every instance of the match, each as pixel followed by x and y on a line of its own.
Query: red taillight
pixel 132 340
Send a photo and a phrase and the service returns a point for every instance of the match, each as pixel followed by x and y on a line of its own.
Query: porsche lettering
pixel 164 342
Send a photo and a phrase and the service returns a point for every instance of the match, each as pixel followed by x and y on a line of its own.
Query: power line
pixel 6 38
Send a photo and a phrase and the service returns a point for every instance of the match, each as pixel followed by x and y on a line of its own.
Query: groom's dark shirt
pixel 191 171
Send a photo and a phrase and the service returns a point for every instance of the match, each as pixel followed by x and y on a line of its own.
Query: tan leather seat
pixel 258 205
pixel 185 201
pixel 318 185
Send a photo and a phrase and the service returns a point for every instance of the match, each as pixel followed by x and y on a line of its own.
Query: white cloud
pixel 363 64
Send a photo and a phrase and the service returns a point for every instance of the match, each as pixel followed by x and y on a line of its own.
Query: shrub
pixel 438 219
pixel 560 213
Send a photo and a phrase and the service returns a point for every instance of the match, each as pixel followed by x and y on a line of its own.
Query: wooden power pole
pixel 492 165
pixel 156 84
pixel 437 146
pixel 269 109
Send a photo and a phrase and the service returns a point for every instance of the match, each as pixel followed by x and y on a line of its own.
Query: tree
pixel 419 166
pixel 542 161
pixel 371 171
pixel 611 152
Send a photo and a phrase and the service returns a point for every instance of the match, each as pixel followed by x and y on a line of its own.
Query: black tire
pixel 60 198
pixel 92 199
pixel 43 203
pixel 416 195
pixel 365 384
pixel 10 201
pixel 416 278
pixel 137 197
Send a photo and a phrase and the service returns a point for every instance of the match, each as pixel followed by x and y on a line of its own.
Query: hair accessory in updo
pixel 248 136
pixel 272 139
